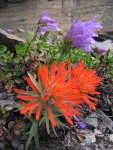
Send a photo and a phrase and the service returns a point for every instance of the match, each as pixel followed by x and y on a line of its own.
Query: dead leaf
pixel 1 132
pixel 81 137
pixel 9 88
pixel 2 122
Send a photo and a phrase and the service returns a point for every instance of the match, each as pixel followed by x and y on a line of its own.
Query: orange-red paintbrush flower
pixel 53 92
pixel 87 80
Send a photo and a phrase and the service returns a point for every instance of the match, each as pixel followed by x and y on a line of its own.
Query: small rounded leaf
pixel 2 49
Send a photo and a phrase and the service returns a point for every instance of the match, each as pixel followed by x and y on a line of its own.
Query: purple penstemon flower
pixel 81 33
pixel 48 22
pixel 80 124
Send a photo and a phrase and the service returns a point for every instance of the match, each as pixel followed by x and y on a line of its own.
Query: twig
pixel 31 42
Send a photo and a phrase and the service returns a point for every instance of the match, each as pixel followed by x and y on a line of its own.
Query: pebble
pixel 96 146
pixel 2 145
pixel 89 136
pixel 102 127
pixel 98 133
pixel 15 143
pixel 11 124
pixel 101 146
pixel 21 147
pixel 110 146
pixel 110 137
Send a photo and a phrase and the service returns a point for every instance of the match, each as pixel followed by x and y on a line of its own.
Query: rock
pixel 108 44
pixel 89 138
pixel 15 1
pixel 101 127
pixel 3 4
pixel 9 40
pixel 6 100
pixel 15 143
pixel 25 15
pixel 98 133
pixel 92 120
pixel 105 119
pixel 96 146
pixel 86 135
pixel 21 147
pixel 110 137
pixel 101 146
pixel 84 147
pixel 70 140
pixel 2 145
pixel 11 124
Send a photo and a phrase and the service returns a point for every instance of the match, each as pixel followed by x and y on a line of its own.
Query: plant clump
pixel 61 71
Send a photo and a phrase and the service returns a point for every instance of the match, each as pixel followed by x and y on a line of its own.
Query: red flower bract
pixel 61 90
pixel 86 81
pixel 53 89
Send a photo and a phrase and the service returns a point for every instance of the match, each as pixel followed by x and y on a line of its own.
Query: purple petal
pixel 10 31
pixel 101 50
pixel 82 125
pixel 53 26
pixel 49 23
pixel 45 18
pixel 86 48
pixel 92 41
pixel 43 30
pixel 81 33
pixel 75 118
pixel 93 23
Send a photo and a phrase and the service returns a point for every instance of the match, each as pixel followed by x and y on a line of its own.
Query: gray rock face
pixel 92 120
pixel 15 1
pixel 2 4
pixel 105 45
pixel 25 15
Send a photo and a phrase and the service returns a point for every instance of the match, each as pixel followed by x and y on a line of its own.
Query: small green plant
pixel 105 64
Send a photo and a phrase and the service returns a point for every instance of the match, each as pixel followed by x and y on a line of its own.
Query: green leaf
pixel 18 80
pixel 33 133
pixel 8 75
pixel 20 49
pixel 1 72
pixel 6 67
pixel 60 123
pixel 54 131
pixel 16 60
pixel 45 120
pixel 3 110
pixel 2 49
pixel 35 82
pixel 47 125
pixel 18 106
pixel 41 121
pixel 29 37
pixel 44 37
